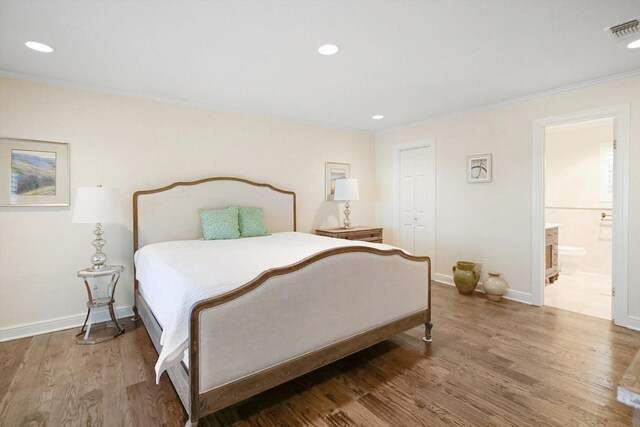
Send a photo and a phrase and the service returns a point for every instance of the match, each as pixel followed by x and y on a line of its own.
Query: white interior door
pixel 417 200
pixel 407 200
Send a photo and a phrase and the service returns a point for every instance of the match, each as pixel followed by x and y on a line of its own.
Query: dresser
pixel 367 234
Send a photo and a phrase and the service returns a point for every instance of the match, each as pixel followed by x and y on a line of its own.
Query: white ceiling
pixel 408 60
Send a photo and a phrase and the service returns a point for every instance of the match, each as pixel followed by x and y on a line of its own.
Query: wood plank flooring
pixel 489 364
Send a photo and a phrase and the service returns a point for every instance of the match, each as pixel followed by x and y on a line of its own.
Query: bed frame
pixel 170 213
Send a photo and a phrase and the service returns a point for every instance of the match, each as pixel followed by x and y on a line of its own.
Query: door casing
pixel 620 270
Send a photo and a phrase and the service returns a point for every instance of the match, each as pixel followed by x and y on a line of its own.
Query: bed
pixel 231 319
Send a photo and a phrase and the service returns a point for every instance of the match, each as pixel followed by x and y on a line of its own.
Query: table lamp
pixel 97 205
pixel 346 190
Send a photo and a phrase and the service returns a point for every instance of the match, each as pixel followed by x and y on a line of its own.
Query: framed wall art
pixel 479 168
pixel 33 173
pixel 332 172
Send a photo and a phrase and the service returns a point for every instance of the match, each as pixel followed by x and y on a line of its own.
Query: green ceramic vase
pixel 465 277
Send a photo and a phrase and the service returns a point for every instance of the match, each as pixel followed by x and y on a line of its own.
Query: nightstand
pixel 367 234
pixel 100 300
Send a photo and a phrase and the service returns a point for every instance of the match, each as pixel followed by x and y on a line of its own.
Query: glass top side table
pixel 99 300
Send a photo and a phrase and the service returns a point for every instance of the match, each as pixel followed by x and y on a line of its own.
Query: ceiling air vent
pixel 624 30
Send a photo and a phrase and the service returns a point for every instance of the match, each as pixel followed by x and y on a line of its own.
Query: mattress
pixel 175 275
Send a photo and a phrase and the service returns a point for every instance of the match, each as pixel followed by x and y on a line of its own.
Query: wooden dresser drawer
pixel 370 236
pixel 367 234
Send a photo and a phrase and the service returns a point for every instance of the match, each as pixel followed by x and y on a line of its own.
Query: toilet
pixel 570 258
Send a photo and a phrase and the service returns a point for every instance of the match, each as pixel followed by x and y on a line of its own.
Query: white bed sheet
pixel 175 275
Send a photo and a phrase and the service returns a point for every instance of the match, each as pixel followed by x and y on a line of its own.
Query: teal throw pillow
pixel 219 224
pixel 251 221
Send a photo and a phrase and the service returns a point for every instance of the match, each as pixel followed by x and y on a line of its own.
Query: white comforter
pixel 176 275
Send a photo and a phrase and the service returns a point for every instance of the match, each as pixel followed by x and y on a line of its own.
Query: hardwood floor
pixel 489 364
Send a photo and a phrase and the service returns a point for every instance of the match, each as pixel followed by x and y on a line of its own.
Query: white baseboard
pixel 632 322
pixel 58 324
pixel 512 295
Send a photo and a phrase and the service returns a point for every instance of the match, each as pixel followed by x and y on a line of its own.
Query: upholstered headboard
pixel 171 212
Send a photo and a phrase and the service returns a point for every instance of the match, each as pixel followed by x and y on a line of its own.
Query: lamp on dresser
pixel 97 205
pixel 346 191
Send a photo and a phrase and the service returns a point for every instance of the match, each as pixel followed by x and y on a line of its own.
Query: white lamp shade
pixel 97 204
pixel 346 189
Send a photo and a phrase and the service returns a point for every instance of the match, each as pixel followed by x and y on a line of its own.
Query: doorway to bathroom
pixel 586 180
pixel 579 183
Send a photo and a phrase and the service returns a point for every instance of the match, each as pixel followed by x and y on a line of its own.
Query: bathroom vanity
pixel 551 252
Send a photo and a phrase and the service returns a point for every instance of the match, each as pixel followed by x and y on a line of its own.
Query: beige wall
pixel 572 188
pixel 131 144
pixel 491 223
pixel 134 144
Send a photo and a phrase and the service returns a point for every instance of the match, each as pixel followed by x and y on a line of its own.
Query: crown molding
pixel 175 101
pixel 550 92
pixel 166 99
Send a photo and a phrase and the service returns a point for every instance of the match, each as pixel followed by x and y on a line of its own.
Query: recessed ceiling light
pixel 328 49
pixel 40 47
pixel 377 117
pixel 634 44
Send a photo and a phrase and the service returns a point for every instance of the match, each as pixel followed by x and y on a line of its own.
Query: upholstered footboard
pixel 294 319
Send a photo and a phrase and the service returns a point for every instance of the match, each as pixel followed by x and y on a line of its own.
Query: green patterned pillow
pixel 220 223
pixel 251 221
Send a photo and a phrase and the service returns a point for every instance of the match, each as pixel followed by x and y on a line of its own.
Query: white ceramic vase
pixel 495 287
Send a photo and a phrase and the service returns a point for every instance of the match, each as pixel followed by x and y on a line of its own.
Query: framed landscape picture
pixel 33 173
pixel 479 168
pixel 332 172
